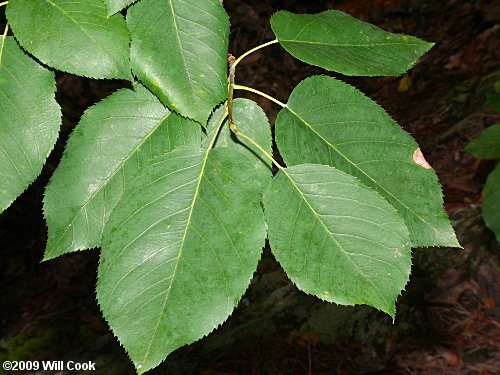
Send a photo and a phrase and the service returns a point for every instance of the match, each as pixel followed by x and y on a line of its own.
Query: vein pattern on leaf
pixel 29 120
pixel 76 37
pixel 336 238
pixel 180 249
pixel 179 51
pixel 336 41
pixel 124 130
pixel 329 122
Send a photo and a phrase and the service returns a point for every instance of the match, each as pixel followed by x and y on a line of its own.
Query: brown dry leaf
pixel 419 158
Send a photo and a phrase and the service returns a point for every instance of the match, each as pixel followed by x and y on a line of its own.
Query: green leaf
pixel 491 202
pixel 179 51
pixel 114 6
pixel 487 145
pixel 113 139
pixel 337 239
pixel 72 36
pixel 329 122
pixel 251 120
pixel 29 120
pixel 334 40
pixel 180 249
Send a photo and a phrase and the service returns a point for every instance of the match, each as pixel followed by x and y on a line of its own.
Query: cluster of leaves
pixel 487 146
pixel 172 178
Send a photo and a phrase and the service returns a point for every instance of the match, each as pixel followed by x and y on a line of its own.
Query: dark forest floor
pixel 449 316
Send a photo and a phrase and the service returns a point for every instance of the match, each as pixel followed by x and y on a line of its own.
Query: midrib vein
pixel 119 167
pixel 358 168
pixel 184 62
pixel 188 223
pixel 179 256
pixel 331 235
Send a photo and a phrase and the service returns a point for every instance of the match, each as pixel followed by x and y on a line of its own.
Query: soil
pixel 448 318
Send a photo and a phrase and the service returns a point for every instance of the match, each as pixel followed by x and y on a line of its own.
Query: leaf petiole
pixel 252 51
pixel 4 3
pixel 239 87
pixel 3 41
pixel 252 141
pixel 217 129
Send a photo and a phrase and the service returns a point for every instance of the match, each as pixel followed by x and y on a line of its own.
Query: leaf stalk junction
pixel 233 62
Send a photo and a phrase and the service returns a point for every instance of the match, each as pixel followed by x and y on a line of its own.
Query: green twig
pixel 4 3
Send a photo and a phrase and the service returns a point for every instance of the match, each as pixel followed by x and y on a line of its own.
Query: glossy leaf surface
pixel 491 202
pixel 336 41
pixel 73 36
pixel 179 51
pixel 29 120
pixel 337 239
pixel 329 122
pixel 487 145
pixel 180 249
pixel 113 139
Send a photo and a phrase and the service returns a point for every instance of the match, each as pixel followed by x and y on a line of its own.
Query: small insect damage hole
pixel 419 158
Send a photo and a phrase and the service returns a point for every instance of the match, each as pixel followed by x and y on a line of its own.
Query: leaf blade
pixel 196 215
pixel 336 220
pixel 76 37
pixel 114 6
pixel 251 120
pixel 487 145
pixel 113 139
pixel 491 202
pixel 334 40
pixel 339 126
pixel 29 120
pixel 191 38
